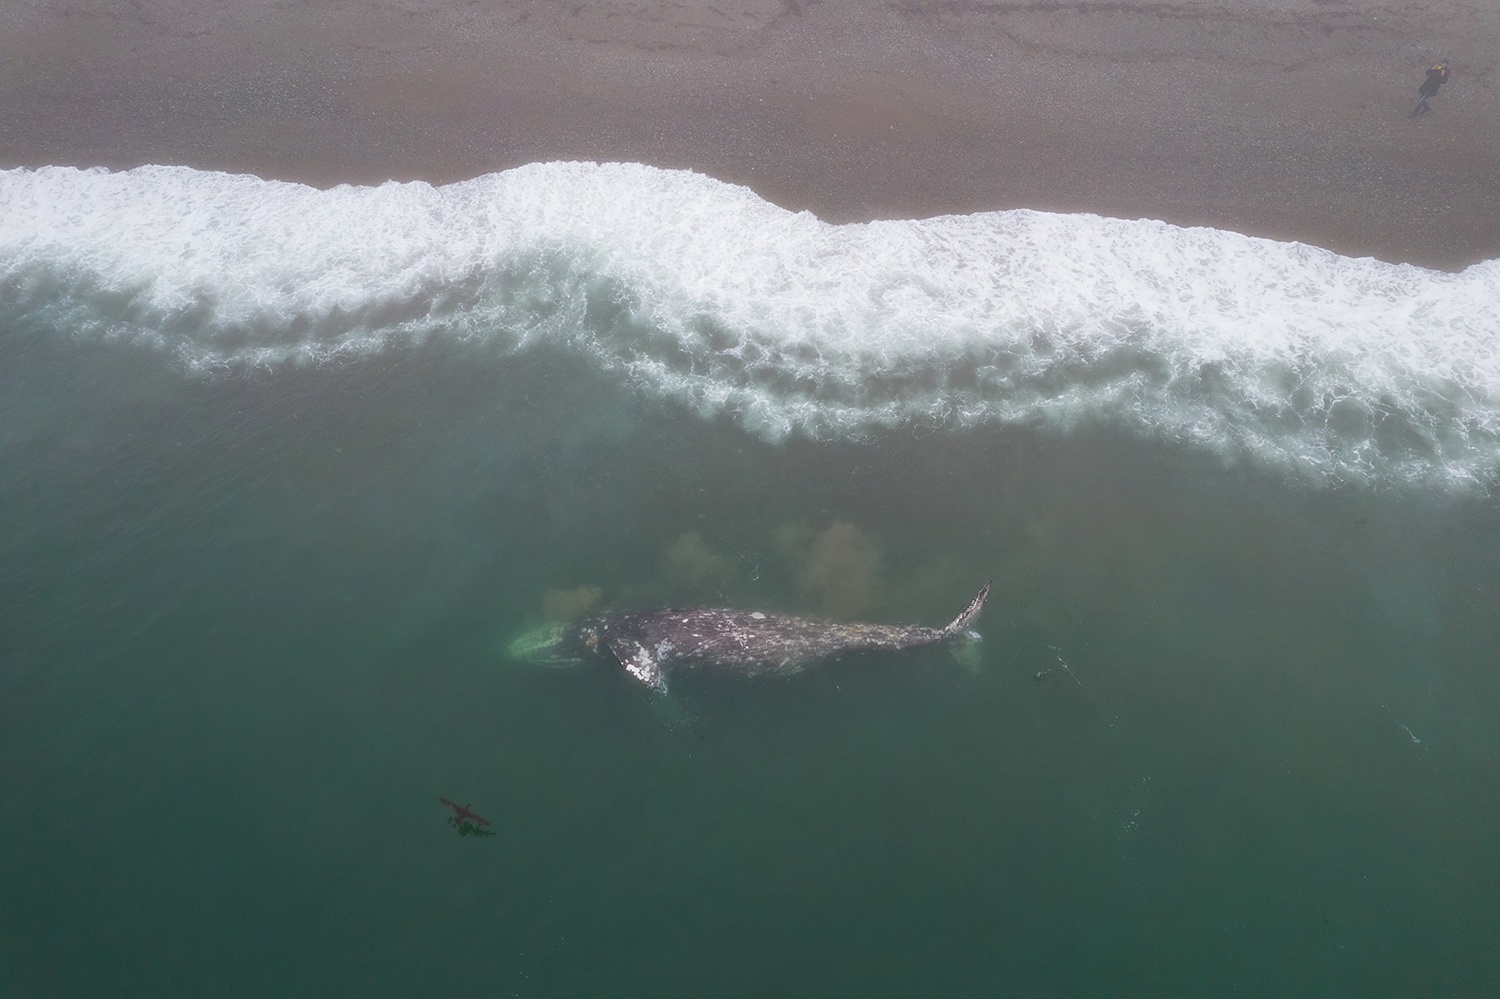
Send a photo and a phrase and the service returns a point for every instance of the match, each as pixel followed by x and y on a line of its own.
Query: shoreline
pixel 1289 124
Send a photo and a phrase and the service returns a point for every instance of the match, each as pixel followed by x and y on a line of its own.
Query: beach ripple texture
pixel 698 292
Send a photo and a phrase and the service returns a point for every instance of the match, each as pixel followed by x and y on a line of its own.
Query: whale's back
pixel 756 642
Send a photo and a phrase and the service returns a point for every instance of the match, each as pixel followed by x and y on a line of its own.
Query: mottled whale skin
pixel 648 643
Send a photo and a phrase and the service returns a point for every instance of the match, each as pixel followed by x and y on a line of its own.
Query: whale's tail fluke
pixel 961 623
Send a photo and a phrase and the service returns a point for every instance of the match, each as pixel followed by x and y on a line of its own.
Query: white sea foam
pixel 701 292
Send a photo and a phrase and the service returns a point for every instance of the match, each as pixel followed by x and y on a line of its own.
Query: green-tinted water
pixel 1230 734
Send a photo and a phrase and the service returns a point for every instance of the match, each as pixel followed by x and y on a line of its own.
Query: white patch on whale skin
pixel 641 663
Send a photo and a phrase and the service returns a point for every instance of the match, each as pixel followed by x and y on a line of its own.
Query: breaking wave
pixel 699 292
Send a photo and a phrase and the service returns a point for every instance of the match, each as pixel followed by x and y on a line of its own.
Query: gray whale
pixel 648 643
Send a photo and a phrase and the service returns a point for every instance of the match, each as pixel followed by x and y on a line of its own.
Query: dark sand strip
pixel 1283 118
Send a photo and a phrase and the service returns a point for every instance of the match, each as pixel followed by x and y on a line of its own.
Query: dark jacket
pixel 1436 77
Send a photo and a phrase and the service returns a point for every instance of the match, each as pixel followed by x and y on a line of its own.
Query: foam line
pixel 701 292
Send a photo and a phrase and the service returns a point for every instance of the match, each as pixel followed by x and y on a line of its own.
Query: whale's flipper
pixel 639 661
pixel 961 623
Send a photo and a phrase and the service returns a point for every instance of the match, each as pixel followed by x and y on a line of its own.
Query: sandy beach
pixel 1281 118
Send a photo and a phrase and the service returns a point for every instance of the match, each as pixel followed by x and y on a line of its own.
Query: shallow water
pixel 1233 731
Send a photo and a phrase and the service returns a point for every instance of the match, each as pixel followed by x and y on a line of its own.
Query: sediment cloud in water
pixel 689 558
pixel 838 566
pixel 570 605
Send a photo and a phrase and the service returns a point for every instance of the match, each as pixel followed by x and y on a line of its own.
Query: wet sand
pixel 1282 118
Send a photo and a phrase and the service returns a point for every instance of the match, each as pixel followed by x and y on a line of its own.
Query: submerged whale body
pixel 647 643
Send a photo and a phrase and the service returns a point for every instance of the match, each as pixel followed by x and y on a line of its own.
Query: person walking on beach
pixel 1436 77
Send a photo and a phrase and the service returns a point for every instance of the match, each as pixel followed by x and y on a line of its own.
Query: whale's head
pixel 549 645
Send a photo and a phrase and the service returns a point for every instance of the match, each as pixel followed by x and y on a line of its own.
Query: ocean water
pixel 283 472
